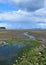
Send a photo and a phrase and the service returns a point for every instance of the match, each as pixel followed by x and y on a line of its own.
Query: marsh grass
pixel 35 57
pixel 24 54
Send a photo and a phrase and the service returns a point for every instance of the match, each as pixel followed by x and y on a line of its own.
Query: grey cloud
pixel 29 5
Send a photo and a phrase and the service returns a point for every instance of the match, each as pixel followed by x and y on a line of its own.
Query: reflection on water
pixel 8 51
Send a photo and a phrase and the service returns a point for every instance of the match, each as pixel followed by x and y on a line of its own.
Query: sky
pixel 23 14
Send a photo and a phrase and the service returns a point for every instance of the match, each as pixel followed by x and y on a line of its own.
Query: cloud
pixel 22 19
pixel 41 12
pixel 42 26
pixel 23 16
pixel 15 16
pixel 28 5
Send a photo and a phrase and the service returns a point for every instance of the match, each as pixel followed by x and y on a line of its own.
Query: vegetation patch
pixel 35 56
pixel 28 46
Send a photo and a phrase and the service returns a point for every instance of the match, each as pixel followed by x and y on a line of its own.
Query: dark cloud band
pixel 29 5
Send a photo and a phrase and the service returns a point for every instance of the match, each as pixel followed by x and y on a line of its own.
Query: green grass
pixel 34 57
pixel 20 40
pixel 29 44
pixel 26 49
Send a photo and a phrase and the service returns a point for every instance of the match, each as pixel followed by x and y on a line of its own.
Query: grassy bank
pixel 36 56
pixel 23 55
pixel 21 40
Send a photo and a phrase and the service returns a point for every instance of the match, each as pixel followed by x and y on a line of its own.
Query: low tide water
pixel 10 51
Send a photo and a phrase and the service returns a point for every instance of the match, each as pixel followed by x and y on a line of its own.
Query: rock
pixel 2 43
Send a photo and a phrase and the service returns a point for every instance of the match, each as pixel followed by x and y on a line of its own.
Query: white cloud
pixel 23 16
pixel 41 25
pixel 15 15
pixel 41 12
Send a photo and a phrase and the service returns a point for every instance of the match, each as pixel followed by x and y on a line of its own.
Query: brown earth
pixel 18 34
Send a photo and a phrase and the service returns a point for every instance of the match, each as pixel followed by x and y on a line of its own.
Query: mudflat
pixel 19 34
